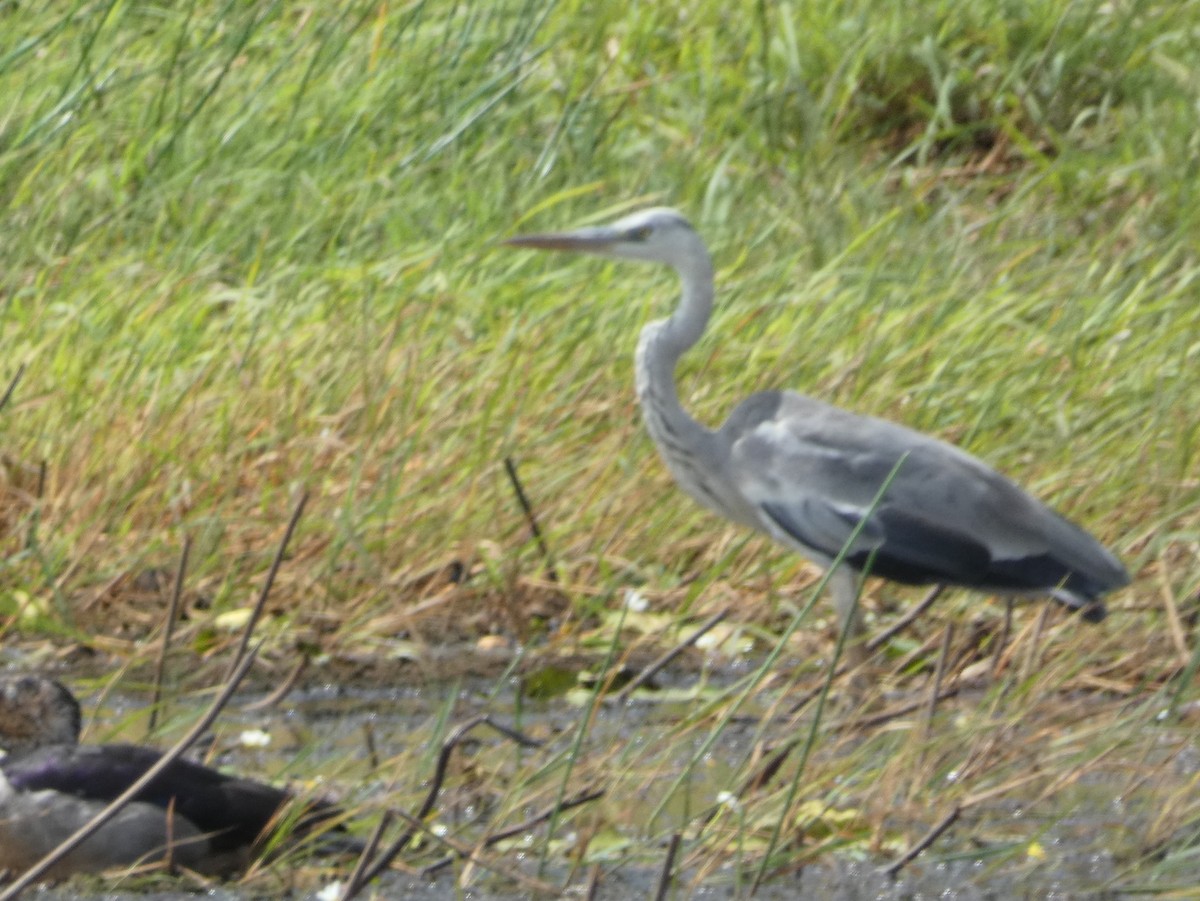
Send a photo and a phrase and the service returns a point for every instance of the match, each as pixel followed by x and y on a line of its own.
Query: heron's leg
pixel 843 582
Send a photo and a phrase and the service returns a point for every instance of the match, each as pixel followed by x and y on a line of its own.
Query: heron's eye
pixel 641 233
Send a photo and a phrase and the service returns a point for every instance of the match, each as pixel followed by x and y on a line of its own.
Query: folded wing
pixel 815 474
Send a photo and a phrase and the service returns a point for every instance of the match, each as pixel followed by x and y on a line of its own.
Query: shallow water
pixel 372 746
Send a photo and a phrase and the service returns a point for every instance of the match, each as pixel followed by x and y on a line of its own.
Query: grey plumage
pixel 807 473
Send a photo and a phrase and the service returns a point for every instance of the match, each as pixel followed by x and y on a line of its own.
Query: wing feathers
pixel 813 471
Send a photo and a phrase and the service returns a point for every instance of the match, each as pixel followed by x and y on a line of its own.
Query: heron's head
pixel 659 235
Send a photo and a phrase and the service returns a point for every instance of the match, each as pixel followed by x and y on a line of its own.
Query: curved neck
pixel 661 345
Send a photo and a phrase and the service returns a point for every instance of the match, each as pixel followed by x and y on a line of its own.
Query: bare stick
pixel 878 719
pixel 876 641
pixel 468 853
pixel 12 386
pixel 511 468
pixel 368 731
pixel 664 879
pixel 266 589
pixel 938 675
pixel 892 869
pixel 1174 621
pixel 1032 657
pixel 168 632
pixel 584 797
pixel 384 860
pixel 453 740
pixel 766 772
pixel 593 883
pixel 655 667
pixel 284 688
pixel 355 883
pixel 34 873
pixel 1003 640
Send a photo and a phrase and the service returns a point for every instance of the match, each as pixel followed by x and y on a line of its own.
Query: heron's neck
pixel 661 345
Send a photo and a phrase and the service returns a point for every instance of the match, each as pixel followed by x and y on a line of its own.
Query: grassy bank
pixel 251 249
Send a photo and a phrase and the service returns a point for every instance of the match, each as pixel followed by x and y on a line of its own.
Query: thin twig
pixel 766 771
pixel 664 878
pixel 665 659
pixel 453 740
pixel 384 860
pixel 1174 620
pixel 878 719
pixel 284 689
pixel 168 632
pixel 1002 640
pixel 812 694
pixel 356 882
pixel 876 641
pixel 938 675
pixel 12 386
pixel 593 883
pixel 467 853
pixel 34 873
pixel 368 733
pixel 1035 642
pixel 551 568
pixel 892 869
pixel 584 797
pixel 266 589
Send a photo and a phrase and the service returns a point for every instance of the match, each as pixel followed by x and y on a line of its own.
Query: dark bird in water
pixel 50 786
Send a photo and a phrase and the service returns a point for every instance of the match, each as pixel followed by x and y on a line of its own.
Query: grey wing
pixel 813 473
pixel 32 824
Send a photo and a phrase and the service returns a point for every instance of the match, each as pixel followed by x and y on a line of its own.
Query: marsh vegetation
pixel 251 250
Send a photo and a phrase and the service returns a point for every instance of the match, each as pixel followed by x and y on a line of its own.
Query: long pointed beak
pixel 581 240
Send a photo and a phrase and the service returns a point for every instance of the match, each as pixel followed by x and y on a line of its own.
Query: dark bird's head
pixel 36 711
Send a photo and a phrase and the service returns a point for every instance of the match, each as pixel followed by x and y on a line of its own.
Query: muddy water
pixel 350 736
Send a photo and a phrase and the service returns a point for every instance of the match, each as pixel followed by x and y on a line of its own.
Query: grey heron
pixel 809 474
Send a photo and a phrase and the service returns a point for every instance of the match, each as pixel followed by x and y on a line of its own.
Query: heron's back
pixel 816 471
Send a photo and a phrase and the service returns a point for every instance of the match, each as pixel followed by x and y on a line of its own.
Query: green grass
pixel 250 248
